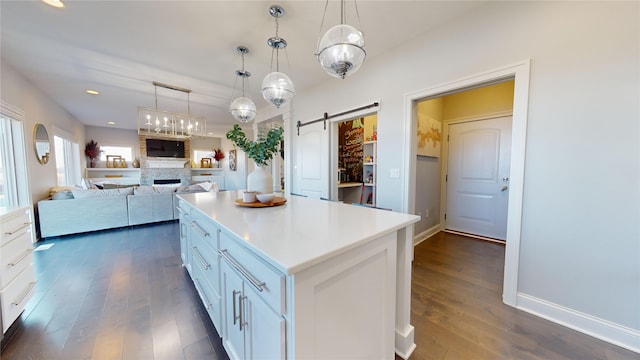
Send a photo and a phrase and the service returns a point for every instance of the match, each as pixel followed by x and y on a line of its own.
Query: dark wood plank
pixel 458 313
pixel 123 294
pixel 118 294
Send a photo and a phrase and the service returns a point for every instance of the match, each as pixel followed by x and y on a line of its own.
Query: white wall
pixel 106 136
pixel 580 246
pixel 38 108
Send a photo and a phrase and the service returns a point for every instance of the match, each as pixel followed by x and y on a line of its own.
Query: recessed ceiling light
pixel 92 92
pixel 54 3
pixel 111 122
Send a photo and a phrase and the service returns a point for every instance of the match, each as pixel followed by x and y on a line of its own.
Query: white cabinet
pixel 121 176
pixel 214 175
pixel 185 225
pixel 277 287
pixel 17 277
pixel 253 330
pixel 205 266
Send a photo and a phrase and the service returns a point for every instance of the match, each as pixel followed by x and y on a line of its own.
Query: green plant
pixel 260 151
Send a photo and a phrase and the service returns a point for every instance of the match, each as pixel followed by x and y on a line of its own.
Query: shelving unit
pixel 209 174
pixel 121 176
pixel 369 172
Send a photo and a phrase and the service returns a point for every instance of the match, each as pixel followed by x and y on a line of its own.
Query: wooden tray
pixel 113 176
pixel 277 201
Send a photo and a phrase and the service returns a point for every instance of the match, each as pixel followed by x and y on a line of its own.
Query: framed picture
pixel 232 160
pixel 429 137
pixel 115 161
pixel 205 162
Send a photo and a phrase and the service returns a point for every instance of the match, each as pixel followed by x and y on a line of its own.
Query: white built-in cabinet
pixel 214 175
pixel 17 277
pixel 369 172
pixel 332 308
pixel 120 176
pixel 246 311
pixel 253 328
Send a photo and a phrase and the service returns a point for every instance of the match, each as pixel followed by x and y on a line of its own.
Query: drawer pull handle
pixel 241 304
pixel 231 261
pixel 235 317
pixel 202 260
pixel 199 229
pixel 201 294
pixel 16 261
pixel 25 225
pixel 181 210
pixel 24 295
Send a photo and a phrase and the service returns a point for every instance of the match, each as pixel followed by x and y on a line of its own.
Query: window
pixel 67 159
pixel 199 154
pixel 122 151
pixel 14 185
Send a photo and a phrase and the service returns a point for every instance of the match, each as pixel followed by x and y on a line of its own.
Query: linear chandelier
pixel 170 123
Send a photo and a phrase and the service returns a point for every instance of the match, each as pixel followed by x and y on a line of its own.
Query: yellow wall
pixel 370 123
pixel 485 100
pixel 432 108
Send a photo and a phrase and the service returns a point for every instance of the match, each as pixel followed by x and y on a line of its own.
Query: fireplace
pixel 167 182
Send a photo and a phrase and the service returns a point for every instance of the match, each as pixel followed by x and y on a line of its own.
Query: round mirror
pixel 41 141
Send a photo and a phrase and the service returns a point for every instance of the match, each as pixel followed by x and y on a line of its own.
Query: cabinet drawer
pixel 204 227
pixel 14 223
pixel 262 277
pixel 15 256
pixel 210 297
pixel 16 295
pixel 206 260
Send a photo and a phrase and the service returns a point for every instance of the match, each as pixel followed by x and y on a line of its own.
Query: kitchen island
pixel 309 279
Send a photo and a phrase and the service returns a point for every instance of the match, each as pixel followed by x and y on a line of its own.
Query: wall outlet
pixel 427 213
pixel 394 173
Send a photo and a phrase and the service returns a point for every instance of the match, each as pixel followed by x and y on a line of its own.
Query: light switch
pixel 394 173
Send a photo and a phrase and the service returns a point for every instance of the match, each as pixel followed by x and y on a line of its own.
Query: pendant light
pixel 242 108
pixel 277 88
pixel 341 49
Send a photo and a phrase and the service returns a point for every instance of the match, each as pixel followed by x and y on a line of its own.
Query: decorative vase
pixel 135 163
pixel 260 180
pixel 93 162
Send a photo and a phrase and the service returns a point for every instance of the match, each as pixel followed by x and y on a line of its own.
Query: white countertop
pixel 301 233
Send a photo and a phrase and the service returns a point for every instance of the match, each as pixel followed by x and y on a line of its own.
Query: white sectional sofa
pixel 92 210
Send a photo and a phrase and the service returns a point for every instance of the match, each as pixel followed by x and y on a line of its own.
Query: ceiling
pixel 120 47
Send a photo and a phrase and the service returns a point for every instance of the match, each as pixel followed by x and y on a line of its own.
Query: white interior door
pixel 311 161
pixel 478 177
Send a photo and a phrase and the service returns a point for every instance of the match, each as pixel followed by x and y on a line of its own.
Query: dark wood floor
pixel 118 294
pixel 122 294
pixel 458 313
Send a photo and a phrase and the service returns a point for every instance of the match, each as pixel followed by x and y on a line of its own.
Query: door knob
pixel 504 188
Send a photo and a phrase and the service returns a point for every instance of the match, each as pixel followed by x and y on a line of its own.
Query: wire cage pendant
pixel 152 121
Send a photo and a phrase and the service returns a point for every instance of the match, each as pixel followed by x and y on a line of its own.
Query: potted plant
pixel 92 151
pixel 218 155
pixel 261 152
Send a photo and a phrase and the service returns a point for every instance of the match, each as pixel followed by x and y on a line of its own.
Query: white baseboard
pixel 417 239
pixel 602 329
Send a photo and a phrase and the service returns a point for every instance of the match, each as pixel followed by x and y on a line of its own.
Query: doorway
pixel 519 72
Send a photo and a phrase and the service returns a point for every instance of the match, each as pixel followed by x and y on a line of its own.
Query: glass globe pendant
pixel 341 51
pixel 242 108
pixel 277 88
